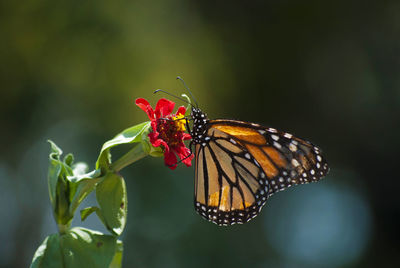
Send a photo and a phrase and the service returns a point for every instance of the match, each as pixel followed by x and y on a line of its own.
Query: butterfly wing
pixel 242 164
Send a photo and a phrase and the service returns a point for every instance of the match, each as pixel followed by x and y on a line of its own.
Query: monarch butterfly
pixel 239 165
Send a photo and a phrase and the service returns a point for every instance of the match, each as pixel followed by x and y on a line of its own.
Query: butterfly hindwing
pixel 229 188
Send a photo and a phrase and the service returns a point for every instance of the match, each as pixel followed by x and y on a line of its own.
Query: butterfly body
pixel 240 164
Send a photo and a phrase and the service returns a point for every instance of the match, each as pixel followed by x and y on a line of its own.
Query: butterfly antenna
pixel 188 90
pixel 160 90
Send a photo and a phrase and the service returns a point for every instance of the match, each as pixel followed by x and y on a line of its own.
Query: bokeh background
pixel 328 71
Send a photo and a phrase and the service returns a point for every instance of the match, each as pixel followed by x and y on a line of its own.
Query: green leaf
pixel 112 199
pixel 48 253
pixel 129 135
pixel 58 186
pixel 87 211
pixel 55 150
pixel 82 247
pixel 69 159
pixel 61 210
pixel 82 186
pixel 54 171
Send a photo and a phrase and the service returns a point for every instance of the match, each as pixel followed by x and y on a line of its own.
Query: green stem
pixel 62 228
pixel 135 154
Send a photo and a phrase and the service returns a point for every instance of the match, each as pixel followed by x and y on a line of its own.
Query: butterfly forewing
pixel 285 159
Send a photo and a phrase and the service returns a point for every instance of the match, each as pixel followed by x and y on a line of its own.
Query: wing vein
pixel 205 174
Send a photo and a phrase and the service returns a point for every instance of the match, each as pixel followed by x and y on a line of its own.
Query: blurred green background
pixel 326 71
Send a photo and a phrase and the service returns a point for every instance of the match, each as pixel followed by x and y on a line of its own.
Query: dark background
pixel 327 71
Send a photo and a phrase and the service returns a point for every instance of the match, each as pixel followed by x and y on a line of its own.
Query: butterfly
pixel 239 165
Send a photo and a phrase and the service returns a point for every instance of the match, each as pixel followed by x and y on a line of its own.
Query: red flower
pixel 168 130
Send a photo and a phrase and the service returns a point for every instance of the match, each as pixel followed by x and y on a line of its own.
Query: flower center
pixel 171 129
pixel 180 122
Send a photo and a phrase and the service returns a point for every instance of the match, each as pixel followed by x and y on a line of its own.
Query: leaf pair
pixel 79 247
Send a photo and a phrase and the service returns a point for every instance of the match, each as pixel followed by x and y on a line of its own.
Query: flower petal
pixel 184 154
pixel 164 107
pixel 181 110
pixel 153 136
pixel 186 136
pixel 146 107
pixel 170 160
pixel 158 142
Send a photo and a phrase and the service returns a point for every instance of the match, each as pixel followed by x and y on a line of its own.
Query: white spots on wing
pixel 275 137
pixel 318 165
pixel 262 175
pixel 295 162
pixel 312 171
pixel 287 135
pixel 232 141
pixel 294 142
pixel 319 158
pixel 292 147
pixel 281 179
pixel 207 138
pixel 247 155
pixel 262 132
pixel 204 144
pixel 272 130
pixel 277 145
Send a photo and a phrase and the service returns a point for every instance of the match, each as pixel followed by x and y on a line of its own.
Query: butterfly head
pixel 199 129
